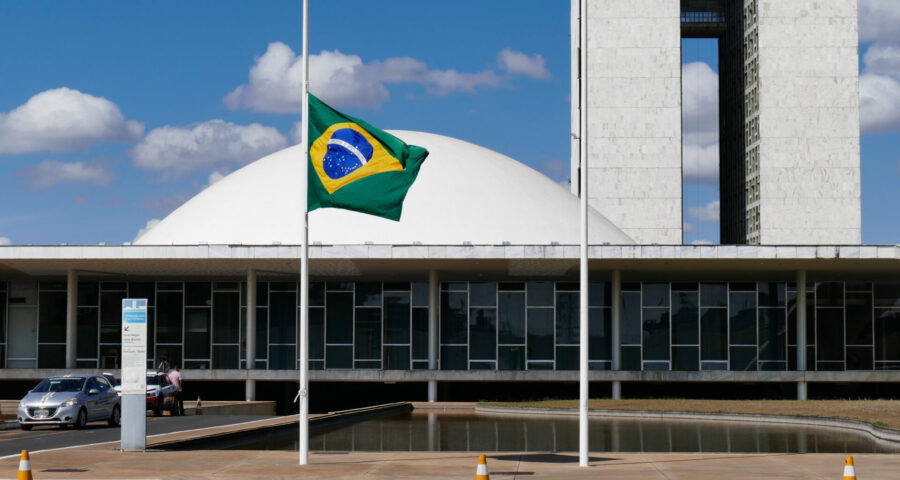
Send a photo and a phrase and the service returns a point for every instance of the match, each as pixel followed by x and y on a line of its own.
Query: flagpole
pixel 583 447
pixel 303 446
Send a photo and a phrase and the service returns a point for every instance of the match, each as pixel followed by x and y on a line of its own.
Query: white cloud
pixel 518 63
pixel 215 177
pixel 51 173
pixel 878 21
pixel 708 213
pixel 882 60
pixel 295 133
pixel 700 117
pixel 702 242
pixel 64 119
pixel 879 89
pixel 341 80
pixel 213 144
pixel 149 226
pixel 688 227
pixel 4 241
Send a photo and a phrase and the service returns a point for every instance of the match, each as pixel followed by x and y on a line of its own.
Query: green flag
pixel 355 166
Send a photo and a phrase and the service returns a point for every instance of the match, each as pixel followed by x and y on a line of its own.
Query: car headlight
pixel 70 402
pixel 22 403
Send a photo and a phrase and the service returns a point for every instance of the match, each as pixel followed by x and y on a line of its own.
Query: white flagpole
pixel 583 447
pixel 304 249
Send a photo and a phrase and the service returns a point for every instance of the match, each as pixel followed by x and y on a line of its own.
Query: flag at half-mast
pixel 355 166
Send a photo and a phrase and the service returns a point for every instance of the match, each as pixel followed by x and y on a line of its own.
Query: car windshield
pixel 152 379
pixel 60 385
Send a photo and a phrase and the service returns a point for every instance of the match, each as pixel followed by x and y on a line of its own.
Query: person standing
pixel 175 379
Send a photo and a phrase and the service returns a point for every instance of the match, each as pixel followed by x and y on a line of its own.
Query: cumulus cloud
pixel 4 241
pixel 215 177
pixel 708 213
pixel 700 117
pixel 879 89
pixel 518 63
pixel 149 226
pixel 342 80
pixel 878 20
pixel 702 242
pixel 64 119
pixel 51 173
pixel 214 144
pixel 688 227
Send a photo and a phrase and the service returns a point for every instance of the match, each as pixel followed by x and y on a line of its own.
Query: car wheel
pixel 115 417
pixel 26 427
pixel 81 419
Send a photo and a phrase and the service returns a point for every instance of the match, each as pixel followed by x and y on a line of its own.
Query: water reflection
pixel 418 431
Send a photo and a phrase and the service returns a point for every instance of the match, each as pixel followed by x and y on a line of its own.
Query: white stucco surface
pixel 464 194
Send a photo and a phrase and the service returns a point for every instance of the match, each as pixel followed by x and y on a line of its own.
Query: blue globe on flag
pixel 348 150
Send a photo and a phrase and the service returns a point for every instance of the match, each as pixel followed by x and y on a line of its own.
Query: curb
pixel 888 435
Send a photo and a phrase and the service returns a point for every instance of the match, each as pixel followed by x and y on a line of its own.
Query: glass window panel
pixel 685 287
pixel 810 319
pixel 52 318
pixel 713 366
pixel 420 333
pixel 792 318
pixel 197 294
pixel 772 334
pixel 262 334
pixel 859 358
pixel 512 358
pixel 511 318
pixel 420 365
pixel 656 365
pixel 567 318
pixel 742 287
pixel 771 294
pixel 454 286
pixel 142 290
pixel 511 286
pixel 87 332
pixel 50 285
pixel 117 286
pixel 829 334
pixel 173 286
pixel 317 364
pixel 830 366
pixel 339 319
pixel 339 286
pixel 599 294
pixel 859 286
pixel 887 294
pixel 656 334
pixel 772 366
pixel 686 358
pixel 742 318
pixel 282 357
pixel 316 332
pixel 859 318
pixel 262 294
pixel 713 295
pixel 169 313
pixel 685 318
pixel 368 334
pixel 89 293
pixel 338 356
pixel 568 286
pixel 111 317
pixel 420 294
pixel 631 358
pixel 171 354
pixel 483 294
pixel 396 286
pixel 51 356
pixel 631 318
pixel 282 317
pixel 829 294
pixel 3 307
pixel 567 358
pixel 655 294
pixel 283 286
pixel 368 294
pixel 714 334
pixel 226 317
pixel 600 321
pixel 483 334
pixel 792 358
pixel 743 359
pixel 226 286
pixel 396 358
pixel 540 334
pixel 225 356
pixel 367 364
pixel 887 334
pixel 316 294
pixel 196 333
pixel 540 294
pixel 453 317
pixel 396 317
pixel 631 286
pixel 454 358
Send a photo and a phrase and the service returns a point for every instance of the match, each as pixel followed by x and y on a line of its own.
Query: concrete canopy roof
pixel 464 194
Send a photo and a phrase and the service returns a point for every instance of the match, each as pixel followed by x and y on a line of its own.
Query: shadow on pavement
pixel 547 458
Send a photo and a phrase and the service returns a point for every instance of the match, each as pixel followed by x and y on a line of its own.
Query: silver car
pixel 70 400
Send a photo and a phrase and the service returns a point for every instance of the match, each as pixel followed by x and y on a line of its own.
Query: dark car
pixel 160 393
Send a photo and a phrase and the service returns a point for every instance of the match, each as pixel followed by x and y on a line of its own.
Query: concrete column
pixel 801 390
pixel 433 305
pixel 250 335
pixel 71 318
pixel 249 390
pixel 801 320
pixel 615 331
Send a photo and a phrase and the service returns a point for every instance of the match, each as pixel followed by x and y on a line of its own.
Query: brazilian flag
pixel 355 166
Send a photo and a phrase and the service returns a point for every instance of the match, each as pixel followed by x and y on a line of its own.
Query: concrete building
pixel 789 117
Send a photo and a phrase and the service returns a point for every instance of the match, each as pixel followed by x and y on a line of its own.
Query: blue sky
pixel 160 99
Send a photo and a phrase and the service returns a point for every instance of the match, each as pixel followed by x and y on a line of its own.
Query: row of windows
pixel 752 189
pixel 483 325
pixel 751 14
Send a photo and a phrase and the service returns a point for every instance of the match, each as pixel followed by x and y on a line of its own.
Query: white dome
pixel 463 193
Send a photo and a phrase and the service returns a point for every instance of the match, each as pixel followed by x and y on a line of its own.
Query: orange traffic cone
pixel 24 467
pixel 849 471
pixel 481 473
pixel 199 409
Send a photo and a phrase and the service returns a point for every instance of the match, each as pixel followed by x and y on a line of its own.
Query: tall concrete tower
pixel 788 115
